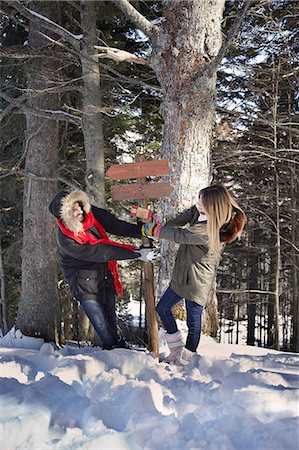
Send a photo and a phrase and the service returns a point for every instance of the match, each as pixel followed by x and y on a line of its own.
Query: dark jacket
pixel 85 266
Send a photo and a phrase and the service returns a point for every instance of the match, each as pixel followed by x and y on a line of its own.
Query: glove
pixel 147 254
pixel 152 229
pixel 146 215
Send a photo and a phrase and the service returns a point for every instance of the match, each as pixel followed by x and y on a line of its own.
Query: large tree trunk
pixel 188 40
pixel 92 117
pixel 295 260
pixel 39 299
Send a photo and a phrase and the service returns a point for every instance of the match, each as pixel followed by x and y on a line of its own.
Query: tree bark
pixel 39 299
pixel 4 319
pixel 276 71
pixel 252 281
pixel 295 256
pixel 187 41
pixel 92 117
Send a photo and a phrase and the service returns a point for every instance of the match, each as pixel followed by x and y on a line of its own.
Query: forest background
pixel 86 88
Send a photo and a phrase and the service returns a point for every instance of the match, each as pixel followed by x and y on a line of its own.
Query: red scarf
pixel 88 238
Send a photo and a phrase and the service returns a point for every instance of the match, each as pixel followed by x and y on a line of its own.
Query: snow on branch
pixel 44 21
pixel 119 55
pixel 48 114
pixel 138 19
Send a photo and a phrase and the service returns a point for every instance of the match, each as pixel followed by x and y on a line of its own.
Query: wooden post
pixel 143 190
pixel 149 290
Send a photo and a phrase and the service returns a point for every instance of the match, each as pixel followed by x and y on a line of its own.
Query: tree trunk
pixel 92 117
pixel 188 40
pixel 277 190
pixel 39 298
pixel 295 265
pixel 210 321
pixel 252 281
pixel 4 319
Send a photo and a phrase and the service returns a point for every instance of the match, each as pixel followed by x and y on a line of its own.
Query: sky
pixel 229 397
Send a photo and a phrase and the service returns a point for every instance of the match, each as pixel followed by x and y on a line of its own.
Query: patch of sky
pixel 137 35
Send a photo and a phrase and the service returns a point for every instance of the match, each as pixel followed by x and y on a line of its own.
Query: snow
pixel 229 397
pixel 78 37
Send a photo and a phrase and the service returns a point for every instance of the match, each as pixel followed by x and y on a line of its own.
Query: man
pixel 88 258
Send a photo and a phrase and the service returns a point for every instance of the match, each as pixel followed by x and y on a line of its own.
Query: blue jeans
pixel 103 318
pixel 194 312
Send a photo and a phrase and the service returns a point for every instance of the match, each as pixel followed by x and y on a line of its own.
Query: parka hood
pixel 62 208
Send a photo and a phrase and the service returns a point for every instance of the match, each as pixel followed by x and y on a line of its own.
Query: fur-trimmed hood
pixel 233 229
pixel 62 208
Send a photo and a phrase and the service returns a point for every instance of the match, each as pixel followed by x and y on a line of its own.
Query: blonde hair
pixel 219 206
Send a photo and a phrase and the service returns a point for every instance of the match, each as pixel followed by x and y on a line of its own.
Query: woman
pixel 215 220
pixel 88 258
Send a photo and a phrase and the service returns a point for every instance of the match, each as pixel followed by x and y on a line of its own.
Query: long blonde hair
pixel 219 206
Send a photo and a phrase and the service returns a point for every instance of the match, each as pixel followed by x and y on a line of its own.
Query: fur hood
pixel 234 228
pixel 62 208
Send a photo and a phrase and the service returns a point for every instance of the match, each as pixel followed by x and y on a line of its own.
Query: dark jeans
pixel 194 312
pixel 103 318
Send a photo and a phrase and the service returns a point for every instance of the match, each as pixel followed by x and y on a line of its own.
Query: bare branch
pixel 48 114
pixel 39 178
pixel 138 19
pixel 119 55
pixel 244 291
pixel 13 103
pixel 231 35
pixel 45 22
pixel 256 152
pixel 128 80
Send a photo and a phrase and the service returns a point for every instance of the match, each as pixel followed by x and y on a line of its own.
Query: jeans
pixel 103 318
pixel 194 312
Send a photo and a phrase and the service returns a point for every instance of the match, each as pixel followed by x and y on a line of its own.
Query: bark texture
pixel 39 298
pixel 92 117
pixel 188 40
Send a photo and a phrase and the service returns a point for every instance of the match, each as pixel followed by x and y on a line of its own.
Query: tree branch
pixel 231 35
pixel 121 77
pixel 119 55
pixel 138 19
pixel 47 23
pixel 243 291
pixel 48 114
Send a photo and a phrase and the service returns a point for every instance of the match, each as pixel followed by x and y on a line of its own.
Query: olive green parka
pixel 195 270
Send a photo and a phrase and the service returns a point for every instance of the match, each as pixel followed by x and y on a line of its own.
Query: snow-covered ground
pixel 230 397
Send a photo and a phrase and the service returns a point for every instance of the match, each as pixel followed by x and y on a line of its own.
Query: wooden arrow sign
pixel 140 191
pixel 140 169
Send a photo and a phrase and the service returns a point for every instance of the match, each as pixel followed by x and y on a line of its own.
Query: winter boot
pixel 175 344
pixel 184 357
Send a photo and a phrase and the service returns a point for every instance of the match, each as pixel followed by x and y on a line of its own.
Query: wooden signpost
pixel 143 190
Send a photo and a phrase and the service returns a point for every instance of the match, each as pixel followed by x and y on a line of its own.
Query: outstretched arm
pixel 115 226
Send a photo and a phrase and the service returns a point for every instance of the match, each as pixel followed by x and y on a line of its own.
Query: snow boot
pixel 175 345
pixel 184 357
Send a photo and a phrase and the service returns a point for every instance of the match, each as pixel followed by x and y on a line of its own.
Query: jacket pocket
pixel 88 281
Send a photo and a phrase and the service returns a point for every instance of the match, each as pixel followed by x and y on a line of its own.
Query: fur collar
pixel 66 211
pixel 234 228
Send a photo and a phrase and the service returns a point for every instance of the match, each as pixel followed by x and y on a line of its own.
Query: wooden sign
pixel 140 191
pixel 155 167
pixel 143 190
